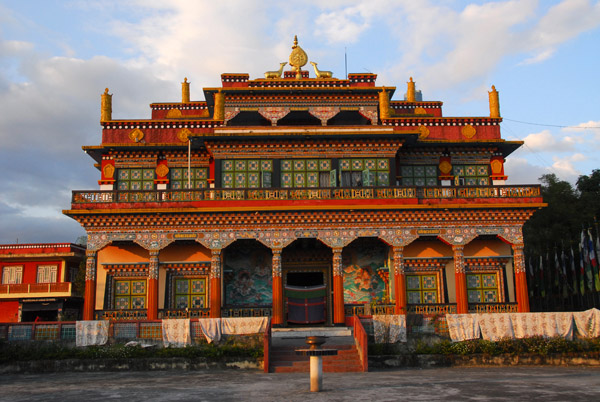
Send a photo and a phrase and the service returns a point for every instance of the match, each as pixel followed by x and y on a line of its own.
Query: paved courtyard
pixel 449 384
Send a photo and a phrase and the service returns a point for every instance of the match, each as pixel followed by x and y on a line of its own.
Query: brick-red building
pixel 37 282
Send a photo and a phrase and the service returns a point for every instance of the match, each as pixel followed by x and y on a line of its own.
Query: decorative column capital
pixel 90 265
pixel 398 262
pixel 459 258
pixel 337 262
pixel 518 258
pixel 153 266
pixel 215 263
pixel 276 264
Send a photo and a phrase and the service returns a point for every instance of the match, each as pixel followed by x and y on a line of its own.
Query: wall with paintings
pixel 247 274
pixel 365 270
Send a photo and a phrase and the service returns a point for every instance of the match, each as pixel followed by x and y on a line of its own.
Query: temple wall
pixel 247 274
pixel 361 261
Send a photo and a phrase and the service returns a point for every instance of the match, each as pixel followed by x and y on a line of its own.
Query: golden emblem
pixel 298 58
pixel 420 110
pixel 496 166
pixel 423 132
pixel 468 131
pixel 136 135
pixel 174 114
pixel 183 134
pixel 109 171
pixel 162 170
pixel 445 167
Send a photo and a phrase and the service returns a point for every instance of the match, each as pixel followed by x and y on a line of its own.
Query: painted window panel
pixel 482 288
pixel 135 179
pixel 190 292
pixel 422 289
pixel 130 294
pixel 419 175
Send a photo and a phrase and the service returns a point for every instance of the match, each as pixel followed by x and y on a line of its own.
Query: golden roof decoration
pixel 298 58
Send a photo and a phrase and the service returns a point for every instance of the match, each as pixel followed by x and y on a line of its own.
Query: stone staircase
pixel 285 341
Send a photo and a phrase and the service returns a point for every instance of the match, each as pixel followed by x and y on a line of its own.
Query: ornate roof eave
pixel 503 146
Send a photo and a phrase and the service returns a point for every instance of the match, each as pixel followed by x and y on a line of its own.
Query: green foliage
pixel 534 345
pixel 22 351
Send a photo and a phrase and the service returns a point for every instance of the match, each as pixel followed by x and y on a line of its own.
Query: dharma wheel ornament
pixel 298 58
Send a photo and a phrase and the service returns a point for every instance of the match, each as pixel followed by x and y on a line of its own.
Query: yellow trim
pixel 301 208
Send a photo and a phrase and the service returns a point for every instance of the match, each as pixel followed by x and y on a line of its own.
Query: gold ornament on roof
pixel 468 131
pixel 109 171
pixel 183 134
pixel 496 166
pixel 298 58
pixel 423 132
pixel 494 103
pixel 276 74
pixel 162 170
pixel 321 73
pixel 136 135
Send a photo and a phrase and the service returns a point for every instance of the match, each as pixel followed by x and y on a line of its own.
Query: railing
pixel 121 315
pixel 493 308
pixel 361 341
pixel 57 287
pixel 267 348
pixel 259 311
pixel 428 309
pixel 38 331
pixel 184 313
pixel 296 194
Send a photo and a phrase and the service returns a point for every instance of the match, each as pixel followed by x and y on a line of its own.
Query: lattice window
pixel 135 179
pixel 365 172
pixel 419 175
pixel 178 178
pixel 130 294
pixel 471 175
pixel 482 287
pixel 46 273
pixel 190 293
pixel 422 289
pixel 12 275
pixel 246 173
pixel 307 173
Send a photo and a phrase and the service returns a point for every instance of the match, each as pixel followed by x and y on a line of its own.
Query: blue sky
pixel 56 58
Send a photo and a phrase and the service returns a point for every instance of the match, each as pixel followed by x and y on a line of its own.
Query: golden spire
pixel 494 103
pixel 219 113
pixel 384 104
pixel 298 58
pixel 410 92
pixel 105 106
pixel 185 91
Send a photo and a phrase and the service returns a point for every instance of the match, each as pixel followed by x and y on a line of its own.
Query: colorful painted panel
pixel 482 288
pixel 190 292
pixel 422 289
pixel 130 294
pixel 247 275
pixel 364 272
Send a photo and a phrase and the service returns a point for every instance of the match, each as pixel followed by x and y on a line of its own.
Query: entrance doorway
pixel 306 294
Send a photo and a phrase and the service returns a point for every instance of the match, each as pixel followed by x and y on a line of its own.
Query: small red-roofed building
pixel 37 282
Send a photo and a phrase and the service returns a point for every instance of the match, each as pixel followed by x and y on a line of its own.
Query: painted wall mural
pixel 363 277
pixel 247 275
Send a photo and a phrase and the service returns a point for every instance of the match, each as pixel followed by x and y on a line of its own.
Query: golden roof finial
pixel 298 58
pixel 494 103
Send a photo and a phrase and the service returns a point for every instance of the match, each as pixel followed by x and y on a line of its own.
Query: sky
pixel 56 58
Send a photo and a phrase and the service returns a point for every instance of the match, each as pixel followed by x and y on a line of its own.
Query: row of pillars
pixel 462 306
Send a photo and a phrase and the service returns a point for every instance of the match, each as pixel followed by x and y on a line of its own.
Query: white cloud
pixel 546 141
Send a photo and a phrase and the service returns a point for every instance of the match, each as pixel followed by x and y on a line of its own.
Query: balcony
pixel 21 290
pixel 306 197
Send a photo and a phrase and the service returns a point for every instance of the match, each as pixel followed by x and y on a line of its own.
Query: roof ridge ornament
pixel 298 58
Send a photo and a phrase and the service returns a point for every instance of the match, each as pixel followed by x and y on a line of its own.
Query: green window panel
pixel 419 175
pixel 190 293
pixel 364 172
pixel 253 173
pixel 130 294
pixel 482 288
pixel 178 178
pixel 306 173
pixel 422 289
pixel 471 175
pixel 286 166
pixel 135 179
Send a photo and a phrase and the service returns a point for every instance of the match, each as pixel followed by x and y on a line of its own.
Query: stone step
pixel 303 332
